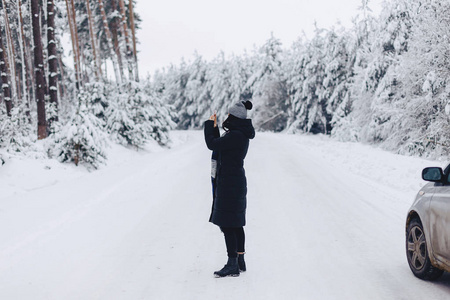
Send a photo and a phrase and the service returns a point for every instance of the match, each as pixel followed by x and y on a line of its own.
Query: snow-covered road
pixel 325 221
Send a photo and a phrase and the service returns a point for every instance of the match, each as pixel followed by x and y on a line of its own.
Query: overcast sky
pixel 172 29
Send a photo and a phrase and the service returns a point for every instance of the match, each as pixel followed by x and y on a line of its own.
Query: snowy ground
pixel 325 221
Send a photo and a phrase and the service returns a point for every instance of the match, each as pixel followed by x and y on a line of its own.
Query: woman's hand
pixel 214 118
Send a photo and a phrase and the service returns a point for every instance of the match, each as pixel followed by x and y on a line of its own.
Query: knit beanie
pixel 239 110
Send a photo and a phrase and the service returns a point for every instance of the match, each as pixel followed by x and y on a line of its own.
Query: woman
pixel 229 182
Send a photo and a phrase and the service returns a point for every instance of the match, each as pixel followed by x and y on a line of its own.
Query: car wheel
pixel 417 252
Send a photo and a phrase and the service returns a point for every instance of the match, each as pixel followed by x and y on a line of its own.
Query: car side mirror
pixel 433 174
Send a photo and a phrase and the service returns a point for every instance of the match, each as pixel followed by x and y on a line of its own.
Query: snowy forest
pixel 69 77
pixel 383 81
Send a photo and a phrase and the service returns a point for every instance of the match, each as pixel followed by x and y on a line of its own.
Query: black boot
pixel 241 263
pixel 230 269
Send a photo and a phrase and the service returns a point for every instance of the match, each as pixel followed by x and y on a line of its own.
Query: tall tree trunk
pixel 127 39
pixel 4 75
pixel 52 59
pixel 84 64
pixel 39 69
pixel 15 91
pixel 29 51
pixel 97 66
pixel 62 86
pixel 114 56
pixel 77 40
pixel 75 44
pixel 26 68
pixel 133 32
pixel 44 35
pixel 115 37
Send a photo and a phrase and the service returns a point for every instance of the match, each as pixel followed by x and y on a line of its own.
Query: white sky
pixel 172 29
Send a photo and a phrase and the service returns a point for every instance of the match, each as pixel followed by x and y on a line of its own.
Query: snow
pixel 325 221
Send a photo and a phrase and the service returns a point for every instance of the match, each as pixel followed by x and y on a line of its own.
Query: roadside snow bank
pixel 402 173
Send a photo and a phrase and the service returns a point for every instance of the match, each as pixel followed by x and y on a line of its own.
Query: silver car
pixel 428 226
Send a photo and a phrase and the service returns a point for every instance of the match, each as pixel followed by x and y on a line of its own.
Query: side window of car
pixel 446 173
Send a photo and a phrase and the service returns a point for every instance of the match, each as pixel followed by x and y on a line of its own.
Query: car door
pixel 440 222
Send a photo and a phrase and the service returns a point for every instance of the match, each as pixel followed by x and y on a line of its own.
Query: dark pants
pixel 234 239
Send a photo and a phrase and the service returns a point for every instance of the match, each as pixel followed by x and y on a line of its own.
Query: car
pixel 428 226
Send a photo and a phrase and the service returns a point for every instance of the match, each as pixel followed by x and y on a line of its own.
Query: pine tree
pixel 218 78
pixel 425 82
pixel 71 15
pixel 296 60
pixel 197 95
pixel 151 118
pixel 39 70
pixel 82 139
pixel 24 59
pixel 27 59
pixel 11 55
pixel 16 131
pixel 97 65
pixel 268 87
pixel 115 55
pixel 120 124
pixel 175 83
pixel 317 117
pixel 4 70
pixel 133 35
pixel 379 90
pixel 128 52
pixel 52 59
pixel 308 94
pixel 115 17
pixel 338 73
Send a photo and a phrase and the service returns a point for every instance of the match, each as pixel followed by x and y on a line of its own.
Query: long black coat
pixel 230 199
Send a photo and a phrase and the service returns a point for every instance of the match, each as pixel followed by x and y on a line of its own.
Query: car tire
pixel 417 252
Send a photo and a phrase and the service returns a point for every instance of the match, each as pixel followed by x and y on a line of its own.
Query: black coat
pixel 230 199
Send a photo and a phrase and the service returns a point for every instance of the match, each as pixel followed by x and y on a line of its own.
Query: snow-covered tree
pixel 81 139
pixel 5 74
pixel 98 100
pixel 120 124
pixel 135 116
pixel 16 133
pixel 219 87
pixel 385 80
pixel 40 87
pixel 267 87
pixel 313 103
pixel 39 70
pixel 376 89
pixel 338 75
pixel 319 73
pixel 154 117
pixel 197 94
pixel 424 72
